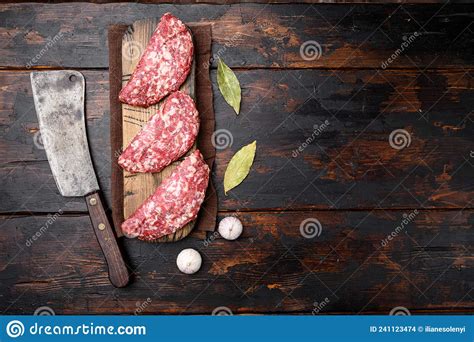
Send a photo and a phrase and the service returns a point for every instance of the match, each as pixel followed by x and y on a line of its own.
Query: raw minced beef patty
pixel 168 135
pixel 175 202
pixel 164 65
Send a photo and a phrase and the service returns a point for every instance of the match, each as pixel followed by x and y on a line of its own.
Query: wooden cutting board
pixel 139 186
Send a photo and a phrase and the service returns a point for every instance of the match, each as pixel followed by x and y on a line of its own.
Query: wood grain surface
pixel 251 35
pixel 137 187
pixel 428 268
pixel 348 177
pixel 354 164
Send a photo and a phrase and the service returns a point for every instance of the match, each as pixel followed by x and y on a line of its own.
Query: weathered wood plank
pixel 272 268
pixel 226 2
pixel 350 162
pixel 250 35
pixel 26 180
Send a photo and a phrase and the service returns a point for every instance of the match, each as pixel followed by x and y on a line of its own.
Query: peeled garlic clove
pixel 230 228
pixel 189 261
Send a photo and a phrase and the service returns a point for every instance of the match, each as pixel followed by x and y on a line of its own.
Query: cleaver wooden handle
pixel 118 272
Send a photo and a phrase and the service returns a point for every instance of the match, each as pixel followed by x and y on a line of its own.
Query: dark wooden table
pixel 349 177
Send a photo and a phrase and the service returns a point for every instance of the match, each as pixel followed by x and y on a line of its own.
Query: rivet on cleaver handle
pixel 59 102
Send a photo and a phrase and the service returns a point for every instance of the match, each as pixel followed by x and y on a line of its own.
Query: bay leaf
pixel 229 85
pixel 239 166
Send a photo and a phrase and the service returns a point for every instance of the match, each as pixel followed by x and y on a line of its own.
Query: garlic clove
pixel 189 261
pixel 230 228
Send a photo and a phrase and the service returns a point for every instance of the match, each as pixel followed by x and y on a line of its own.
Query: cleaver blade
pixel 59 103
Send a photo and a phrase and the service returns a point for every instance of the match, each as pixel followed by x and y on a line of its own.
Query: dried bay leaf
pixel 239 166
pixel 229 85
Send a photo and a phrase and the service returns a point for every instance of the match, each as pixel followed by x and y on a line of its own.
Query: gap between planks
pixel 20 214
pixel 248 68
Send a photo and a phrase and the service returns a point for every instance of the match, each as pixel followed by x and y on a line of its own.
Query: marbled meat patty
pixel 164 65
pixel 168 135
pixel 175 203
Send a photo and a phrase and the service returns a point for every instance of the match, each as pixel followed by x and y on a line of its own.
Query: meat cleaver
pixel 59 103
